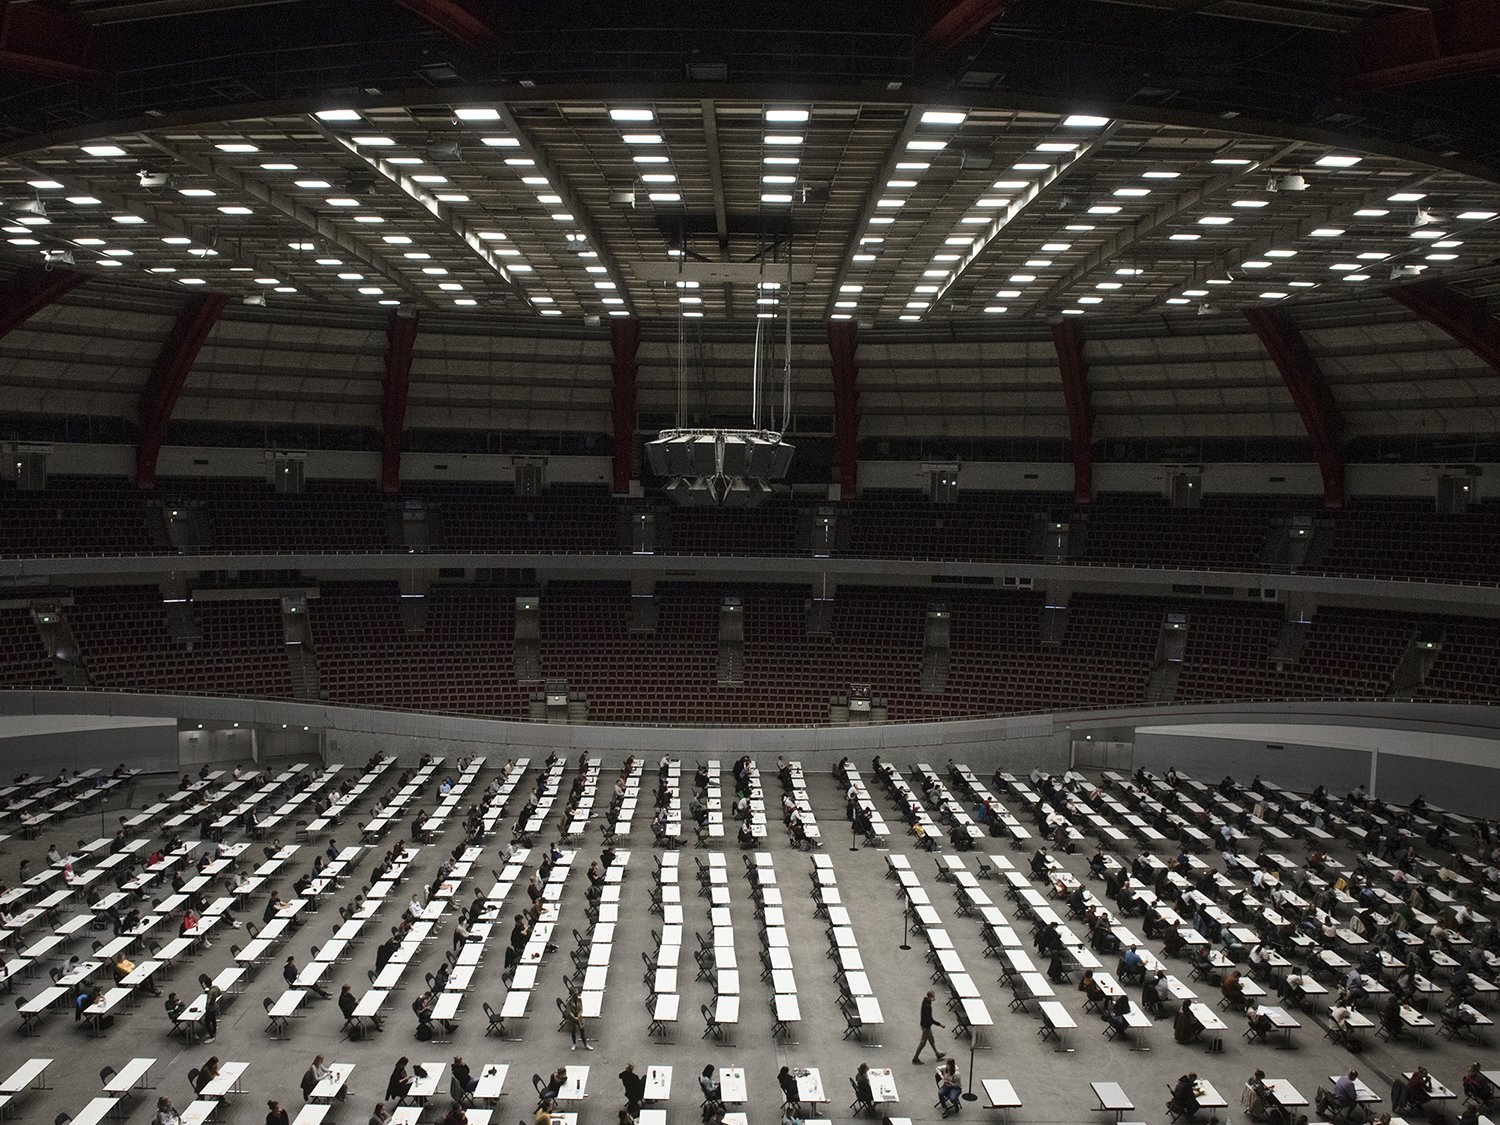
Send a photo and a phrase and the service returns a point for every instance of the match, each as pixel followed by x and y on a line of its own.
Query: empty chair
pixel 710 1024
pixel 493 1016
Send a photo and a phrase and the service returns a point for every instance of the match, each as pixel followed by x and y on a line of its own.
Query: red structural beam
pixel 401 337
pixel 842 344
pixel 1462 37
pixel 1308 387
pixel 1075 382
pixel 457 20
pixel 954 22
pixel 164 384
pixel 1467 319
pixel 31 290
pixel 624 342
pixel 47 39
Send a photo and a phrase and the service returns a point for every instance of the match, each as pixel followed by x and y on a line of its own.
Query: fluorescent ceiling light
pixel 1090 300
pixel 127 220
pixel 198 192
pixel 1371 213
pixel 282 167
pixel 429 178
pixel 1055 146
pixel 1104 209
pixel 1084 121
pixel 783 139
pixel 368 219
pixel 342 201
pixel 1407 197
pixel 374 142
pixel 769 179
pixel 669 178
pixel 784 160
pixel 652 159
pixel 337 115
pixel 1256 264
pixel 1281 253
pixel 1476 216
pixel 943 117
pixel 1038 263
pixel 992 201
pixel 1057 247
pixel 447 197
pixel 1025 167
pixel 632 115
pixel 237 146
pixel 926 146
pixel 775 197
pixel 1010 185
pixel 994 308
pixel 1230 160
pixel 1250 204
pixel 234 210
pixel 1185 237
pixel 1272 296
pixel 402 160
pixel 641 138
pixel 104 150
pixel 191 281
pixel 1160 175
pixel 492 235
pixel 787 116
pixel 1216 220
pixel 500 142
pixel 314 185
pixel 477 114
pixel 90 201
pixel 911 165
pixel 1132 192
pixel 1022 278
pixel 1326 232
pixel 1333 160
pixel 664 197
pixel 44 185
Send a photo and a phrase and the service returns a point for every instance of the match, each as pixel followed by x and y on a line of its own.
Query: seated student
pixel 949 1086
pixel 1132 966
pixel 1233 990
pixel 1260 1103
pixel 1155 993
pixel 1090 988
pixel 862 1088
pixel 1476 1086
pixel 1258 1021
pixel 1338 1014
pixel 1172 942
pixel 1418 1089
pixel 1185 1095
pixel 708 1083
pixel 1455 1017
pixel 1186 1027
pixel 1390 1016
pixel 790 1096
pixel 1115 1013
pixel 1341 1099
pixel 745 836
pixel 554 1084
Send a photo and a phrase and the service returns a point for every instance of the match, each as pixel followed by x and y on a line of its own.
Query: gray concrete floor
pixel 1054 1085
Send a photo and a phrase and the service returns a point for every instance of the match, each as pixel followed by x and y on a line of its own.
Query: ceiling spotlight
pixel 253 299
pixel 450 151
pixel 32 207
pixel 55 257
pixel 150 180
pixel 1291 182
pixel 1423 218
pixel 1205 309
pixel 1400 272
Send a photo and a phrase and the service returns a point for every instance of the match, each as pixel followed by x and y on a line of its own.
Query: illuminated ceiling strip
pixel 1018 206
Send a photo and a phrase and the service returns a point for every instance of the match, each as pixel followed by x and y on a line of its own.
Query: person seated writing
pixel 1185 1095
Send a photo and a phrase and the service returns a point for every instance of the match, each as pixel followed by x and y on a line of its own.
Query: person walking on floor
pixel 928 1023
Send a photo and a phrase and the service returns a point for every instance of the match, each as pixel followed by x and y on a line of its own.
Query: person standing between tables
pixel 576 1029
pixel 275 1114
pixel 928 1023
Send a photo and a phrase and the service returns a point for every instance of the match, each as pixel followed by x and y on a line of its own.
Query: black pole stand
pixel 969 1095
pixel 905 918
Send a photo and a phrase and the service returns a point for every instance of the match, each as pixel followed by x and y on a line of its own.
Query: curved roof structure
pixel 1242 220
